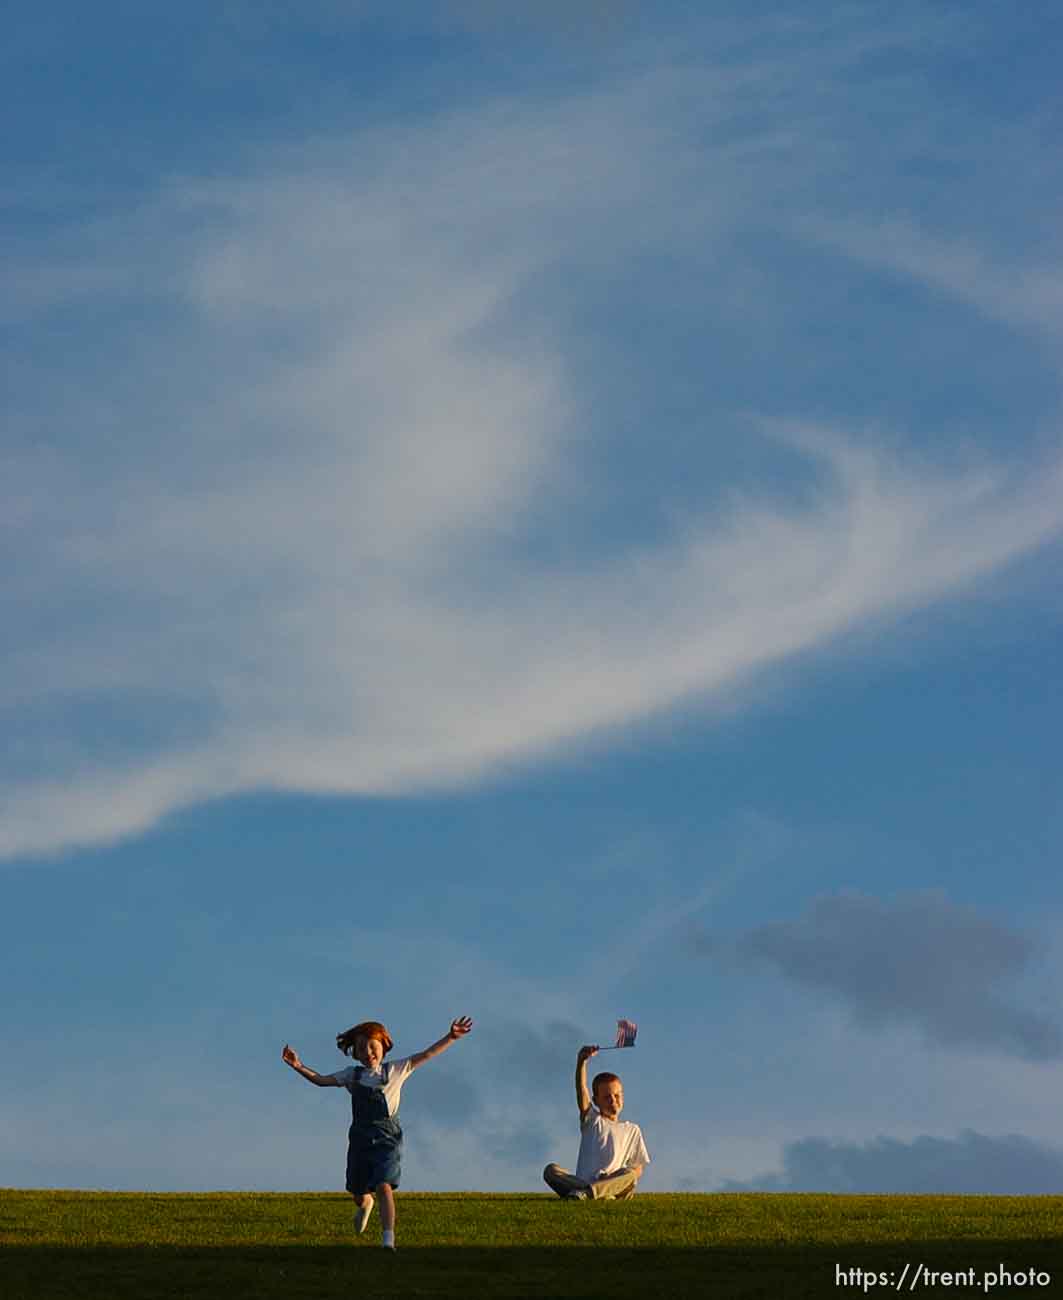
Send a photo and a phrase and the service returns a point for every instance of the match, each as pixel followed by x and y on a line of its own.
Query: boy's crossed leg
pixel 619 1186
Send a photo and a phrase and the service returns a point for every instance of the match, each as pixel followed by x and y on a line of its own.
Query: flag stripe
pixel 625 1033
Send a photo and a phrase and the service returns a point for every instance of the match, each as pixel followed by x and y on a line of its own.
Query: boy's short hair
pixel 367 1029
pixel 604 1077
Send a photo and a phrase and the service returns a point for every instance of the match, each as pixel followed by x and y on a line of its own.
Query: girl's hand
pixel 291 1057
pixel 460 1027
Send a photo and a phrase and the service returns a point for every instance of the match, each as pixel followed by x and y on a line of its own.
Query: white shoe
pixel 361 1215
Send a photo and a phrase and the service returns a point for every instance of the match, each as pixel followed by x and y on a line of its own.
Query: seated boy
pixel 611 1151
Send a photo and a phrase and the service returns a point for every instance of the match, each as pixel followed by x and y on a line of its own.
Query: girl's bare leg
pixel 364 1202
pixel 387 1206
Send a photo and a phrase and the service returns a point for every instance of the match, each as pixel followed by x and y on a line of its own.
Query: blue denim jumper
pixel 374 1140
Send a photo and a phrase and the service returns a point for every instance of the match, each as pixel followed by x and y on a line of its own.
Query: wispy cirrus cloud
pixel 313 507
pixel 1022 291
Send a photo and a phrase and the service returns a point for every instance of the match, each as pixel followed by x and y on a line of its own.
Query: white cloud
pixel 1020 294
pixel 362 681
pixel 292 493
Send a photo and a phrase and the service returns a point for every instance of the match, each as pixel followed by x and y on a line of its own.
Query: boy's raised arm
pixel 458 1029
pixel 583 1097
pixel 291 1057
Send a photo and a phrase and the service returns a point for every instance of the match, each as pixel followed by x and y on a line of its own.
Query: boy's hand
pixel 586 1052
pixel 460 1027
pixel 291 1057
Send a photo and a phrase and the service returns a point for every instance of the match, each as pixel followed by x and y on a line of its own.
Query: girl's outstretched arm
pixel 291 1057
pixel 458 1029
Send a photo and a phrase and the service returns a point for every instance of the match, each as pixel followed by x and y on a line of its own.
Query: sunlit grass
pixel 101 1244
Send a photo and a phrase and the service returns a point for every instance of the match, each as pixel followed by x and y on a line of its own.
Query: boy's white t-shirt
pixel 606 1145
pixel 389 1079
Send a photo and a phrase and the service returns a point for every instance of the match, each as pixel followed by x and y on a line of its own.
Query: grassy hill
pixel 154 1247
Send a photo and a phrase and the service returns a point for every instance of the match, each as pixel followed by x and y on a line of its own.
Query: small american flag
pixel 625 1033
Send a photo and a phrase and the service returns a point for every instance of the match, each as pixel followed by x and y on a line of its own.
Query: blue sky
pixel 544 512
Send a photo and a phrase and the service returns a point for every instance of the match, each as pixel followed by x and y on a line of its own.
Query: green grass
pixel 107 1245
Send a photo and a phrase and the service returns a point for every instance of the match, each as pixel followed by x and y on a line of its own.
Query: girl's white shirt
pixel 389 1079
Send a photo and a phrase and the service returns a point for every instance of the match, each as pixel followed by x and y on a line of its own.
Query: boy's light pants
pixel 613 1187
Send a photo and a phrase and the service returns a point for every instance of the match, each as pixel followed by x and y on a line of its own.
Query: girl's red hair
pixel 367 1029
